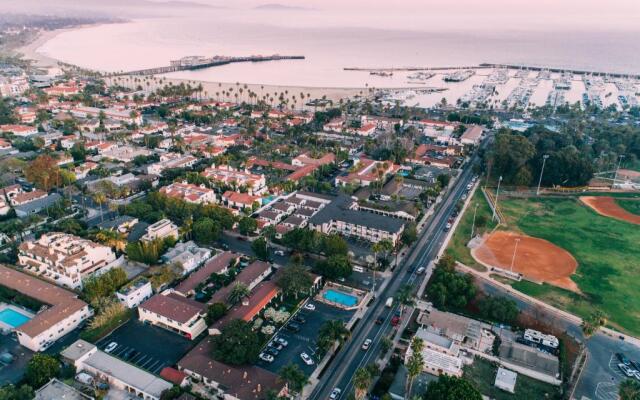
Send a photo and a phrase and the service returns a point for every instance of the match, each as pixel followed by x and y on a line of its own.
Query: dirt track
pixel 608 207
pixel 536 259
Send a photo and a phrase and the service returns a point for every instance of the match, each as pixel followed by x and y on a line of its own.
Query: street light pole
pixel 473 225
pixel 495 206
pixel 515 249
pixel 544 160
pixel 615 177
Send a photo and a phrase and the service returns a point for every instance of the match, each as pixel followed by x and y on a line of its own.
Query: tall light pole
pixel 495 206
pixel 473 225
pixel 544 160
pixel 615 177
pixel 515 249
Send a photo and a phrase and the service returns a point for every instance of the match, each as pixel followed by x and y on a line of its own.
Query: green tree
pixel 238 292
pixel 104 285
pixel 409 234
pixel 448 288
pixel 629 390
pixel 334 267
pixel 499 309
pixel 293 376
pixel 451 388
pixel 415 363
pixel 294 280
pixel 206 231
pixel 334 245
pixel 11 392
pixel 40 369
pixel 247 225
pixel 405 296
pixel 593 322
pixel 330 332
pixel 237 344
pixel 216 311
pixel 259 247
pixel 78 152
pixel 361 381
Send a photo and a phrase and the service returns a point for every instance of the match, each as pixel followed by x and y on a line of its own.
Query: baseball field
pixel 573 255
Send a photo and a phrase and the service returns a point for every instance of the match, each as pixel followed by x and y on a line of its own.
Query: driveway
pixel 305 340
pixel 147 346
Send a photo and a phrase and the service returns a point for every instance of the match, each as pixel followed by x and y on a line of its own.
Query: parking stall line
pixel 120 350
pixel 141 358
pixel 607 391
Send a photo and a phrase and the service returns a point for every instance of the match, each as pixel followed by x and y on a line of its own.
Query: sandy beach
pixel 30 51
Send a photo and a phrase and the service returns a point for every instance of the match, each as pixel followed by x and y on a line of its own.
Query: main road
pixel 351 357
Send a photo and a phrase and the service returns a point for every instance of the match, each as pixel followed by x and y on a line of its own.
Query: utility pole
pixel 544 160
pixel 513 260
pixel 495 206
pixel 615 177
pixel 474 220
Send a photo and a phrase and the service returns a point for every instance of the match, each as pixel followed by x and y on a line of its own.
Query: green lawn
pixel 458 244
pixel 483 374
pixel 633 206
pixel 606 249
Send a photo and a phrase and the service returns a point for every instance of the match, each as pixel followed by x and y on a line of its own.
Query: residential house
pixel 227 175
pixel 187 255
pixel 160 230
pixel 174 312
pixel 197 194
pixel 135 292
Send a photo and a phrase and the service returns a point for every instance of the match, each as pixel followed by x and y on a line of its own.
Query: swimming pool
pixel 336 296
pixel 13 318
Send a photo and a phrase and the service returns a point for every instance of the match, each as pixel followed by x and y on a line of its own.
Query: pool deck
pixel 20 310
pixel 359 294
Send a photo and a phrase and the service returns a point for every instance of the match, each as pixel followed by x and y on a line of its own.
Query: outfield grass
pixel 633 206
pixel 606 249
pixel 483 374
pixel 458 244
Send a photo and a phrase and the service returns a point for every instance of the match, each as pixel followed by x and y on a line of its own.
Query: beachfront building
pixel 160 230
pixel 174 312
pixel 235 178
pixel 196 194
pixel 129 117
pixel 63 258
pixel 64 311
pixel 138 383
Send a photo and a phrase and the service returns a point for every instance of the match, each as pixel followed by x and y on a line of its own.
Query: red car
pixel 395 321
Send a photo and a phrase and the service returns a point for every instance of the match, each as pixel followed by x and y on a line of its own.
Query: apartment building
pixel 441 355
pixel 342 216
pixel 136 292
pixel 197 194
pixel 188 255
pixel 138 383
pixel 171 160
pixel 174 312
pixel 64 312
pixel 63 258
pixel 160 230
pixel 130 117
pixel 227 175
pixel 368 171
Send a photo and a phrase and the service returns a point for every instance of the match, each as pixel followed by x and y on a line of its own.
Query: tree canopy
pixel 448 288
pixel 237 344
pixel 451 388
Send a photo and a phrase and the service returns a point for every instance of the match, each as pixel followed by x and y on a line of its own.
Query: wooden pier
pixel 213 62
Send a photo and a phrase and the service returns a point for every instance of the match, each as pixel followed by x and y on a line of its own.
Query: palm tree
pixel 330 332
pixel 293 376
pixel 361 381
pixel 415 363
pixel 239 291
pixel 100 198
pixel 405 297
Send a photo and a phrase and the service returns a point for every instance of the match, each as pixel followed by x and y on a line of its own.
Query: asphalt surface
pixel 351 357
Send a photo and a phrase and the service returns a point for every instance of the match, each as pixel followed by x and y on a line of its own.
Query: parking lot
pixel 602 376
pixel 305 340
pixel 146 346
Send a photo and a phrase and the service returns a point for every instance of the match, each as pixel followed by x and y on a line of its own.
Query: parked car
pixel 279 253
pixel 623 359
pixel 307 360
pixel 310 306
pixel 266 357
pixel 273 351
pixel 379 320
pixel 110 347
pixel 299 319
pixel 366 344
pixel 281 341
pixel 447 227
pixel 275 345
pixel 628 371
pixel 395 321
pixel 420 270
pixel 335 394
pixel 293 327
